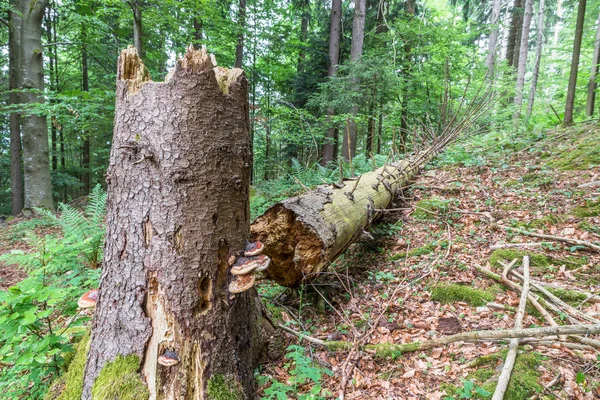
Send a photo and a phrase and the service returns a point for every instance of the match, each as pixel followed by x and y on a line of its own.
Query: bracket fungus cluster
pixel 88 299
pixel 244 268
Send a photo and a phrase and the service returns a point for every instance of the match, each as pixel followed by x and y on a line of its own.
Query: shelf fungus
pixel 242 283
pixel 245 265
pixel 253 249
pixel 168 359
pixel 88 299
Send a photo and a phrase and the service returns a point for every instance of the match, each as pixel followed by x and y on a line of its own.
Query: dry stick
pixel 589 245
pixel 511 356
pixel 591 297
pixel 513 245
pixel 570 309
pixel 517 289
pixel 581 329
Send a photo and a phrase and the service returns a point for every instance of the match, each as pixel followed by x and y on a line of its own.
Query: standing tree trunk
pixel 136 7
pixel 16 173
pixel 36 157
pixel 493 40
pixel 86 135
pixel 356 50
pixel 178 208
pixel 239 49
pixel 329 149
pixel 52 60
pixel 197 33
pixel 538 57
pixel 568 119
pixel 522 67
pixel 512 51
pixel 592 85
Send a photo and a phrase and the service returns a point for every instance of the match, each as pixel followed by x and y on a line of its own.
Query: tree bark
pixel 356 50
pixel 136 7
pixel 16 173
pixel 85 80
pixel 523 50
pixel 303 235
pixel 197 33
pixel 329 149
pixel 36 157
pixel 568 119
pixel 493 39
pixel 512 50
pixel 52 60
pixel 538 57
pixel 592 85
pixel 178 207
pixel 239 49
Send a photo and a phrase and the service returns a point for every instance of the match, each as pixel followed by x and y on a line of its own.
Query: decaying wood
pixel 178 207
pixel 513 347
pixel 516 245
pixel 571 241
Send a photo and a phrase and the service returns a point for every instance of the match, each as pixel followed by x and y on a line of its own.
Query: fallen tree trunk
pixel 303 234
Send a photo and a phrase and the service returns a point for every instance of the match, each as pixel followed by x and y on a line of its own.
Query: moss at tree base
pixel 70 385
pixel 224 387
pixel 119 379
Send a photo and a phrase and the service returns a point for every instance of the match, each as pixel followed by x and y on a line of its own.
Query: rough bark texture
pixel 330 148
pixel 493 40
pixel 239 48
pixel 356 50
pixel 592 85
pixel 538 57
pixel 303 234
pixel 16 173
pixel 36 161
pixel 523 50
pixel 178 206
pixel 568 119
pixel 513 34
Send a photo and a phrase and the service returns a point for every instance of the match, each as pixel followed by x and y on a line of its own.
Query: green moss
pixel 511 183
pixel 70 385
pixel 431 208
pixel 584 154
pixel 523 380
pixel 391 350
pixel 590 209
pixel 541 223
pixel 224 387
pixel 452 292
pixel 538 179
pixel 536 261
pixel 570 296
pixel 119 379
pixel 419 251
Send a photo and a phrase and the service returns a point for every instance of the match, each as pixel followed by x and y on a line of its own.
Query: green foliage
pixel 303 372
pixel 590 209
pixel 70 385
pixel 432 208
pixel 34 340
pixel 469 390
pixel 120 379
pixel 452 292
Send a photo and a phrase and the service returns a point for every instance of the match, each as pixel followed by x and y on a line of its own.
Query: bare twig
pixel 589 245
pixel 513 245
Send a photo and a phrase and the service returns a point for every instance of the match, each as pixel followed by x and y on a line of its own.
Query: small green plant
pixel 469 389
pixel 303 372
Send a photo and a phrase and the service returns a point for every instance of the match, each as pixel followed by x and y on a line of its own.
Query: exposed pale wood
pixel 511 356
pixel 513 245
pixel 589 245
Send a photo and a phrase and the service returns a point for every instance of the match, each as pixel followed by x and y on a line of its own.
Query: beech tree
pixel 27 52
pixel 592 85
pixel 538 57
pixel 523 51
pixel 493 39
pixel 178 210
pixel 574 64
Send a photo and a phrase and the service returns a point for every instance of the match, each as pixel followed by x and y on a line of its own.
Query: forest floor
pixel 419 273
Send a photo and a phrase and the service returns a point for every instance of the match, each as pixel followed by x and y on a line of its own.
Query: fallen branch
pixel 511 356
pixel 577 242
pixel 392 348
pixel 513 245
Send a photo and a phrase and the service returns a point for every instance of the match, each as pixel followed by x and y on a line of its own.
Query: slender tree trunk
pixel 592 85
pixel 380 130
pixel 493 39
pixel 136 7
pixel 197 33
pixel 36 157
pixel 371 124
pixel 568 119
pixel 538 57
pixel 522 67
pixel 303 34
pixel 52 60
pixel 329 149
pixel 178 208
pixel 239 49
pixel 513 34
pixel 409 7
pixel 356 50
pixel 16 172
pixel 85 156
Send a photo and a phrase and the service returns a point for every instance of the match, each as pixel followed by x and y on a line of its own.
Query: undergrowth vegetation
pixel 39 319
